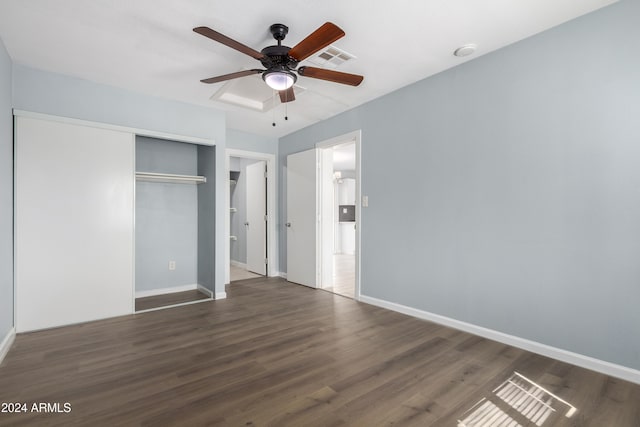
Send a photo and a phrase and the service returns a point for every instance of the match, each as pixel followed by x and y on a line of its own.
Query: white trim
pixel 163 291
pixel 172 306
pixel 99 125
pixel 205 291
pixel 6 343
pixel 238 264
pixel 272 236
pixel 133 240
pixel 170 178
pixel 15 225
pixel 220 295
pixel 282 274
pixel 607 368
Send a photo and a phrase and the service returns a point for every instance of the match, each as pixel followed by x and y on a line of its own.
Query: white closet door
pixel 256 224
pixel 74 223
pixel 302 218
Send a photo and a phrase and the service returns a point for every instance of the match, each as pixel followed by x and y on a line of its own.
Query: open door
pixel 256 224
pixel 302 218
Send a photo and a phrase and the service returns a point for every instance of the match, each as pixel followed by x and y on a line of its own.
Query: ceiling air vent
pixel 331 57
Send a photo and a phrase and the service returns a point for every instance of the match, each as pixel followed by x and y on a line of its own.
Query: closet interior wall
pixel 175 233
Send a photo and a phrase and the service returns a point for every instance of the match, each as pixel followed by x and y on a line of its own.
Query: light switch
pixel 365 201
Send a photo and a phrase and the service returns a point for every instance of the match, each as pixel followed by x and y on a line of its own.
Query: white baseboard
pixel 607 368
pixel 205 291
pixel 6 343
pixel 162 291
pixel 239 264
pixel 281 274
pixel 221 295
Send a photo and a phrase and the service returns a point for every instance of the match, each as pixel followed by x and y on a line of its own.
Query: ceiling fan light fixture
pixel 279 79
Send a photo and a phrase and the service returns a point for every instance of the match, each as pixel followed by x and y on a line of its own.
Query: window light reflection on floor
pixel 516 401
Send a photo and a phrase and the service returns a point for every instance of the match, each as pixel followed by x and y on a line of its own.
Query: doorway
pixel 338 203
pixel 322 218
pixel 250 209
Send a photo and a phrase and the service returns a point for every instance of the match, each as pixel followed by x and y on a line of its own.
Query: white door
pixel 302 218
pixel 74 223
pixel 256 224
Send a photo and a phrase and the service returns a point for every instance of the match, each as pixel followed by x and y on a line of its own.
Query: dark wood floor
pixel 278 354
pixel 165 300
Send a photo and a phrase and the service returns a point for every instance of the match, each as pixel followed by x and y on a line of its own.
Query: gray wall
pixel 519 186
pixel 166 216
pixel 206 217
pixel 249 142
pixel 50 93
pixel 6 195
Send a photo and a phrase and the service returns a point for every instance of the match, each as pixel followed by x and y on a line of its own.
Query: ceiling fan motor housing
pixel 278 56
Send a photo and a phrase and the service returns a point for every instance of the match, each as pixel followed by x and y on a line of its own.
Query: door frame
pixel 272 248
pixel 356 137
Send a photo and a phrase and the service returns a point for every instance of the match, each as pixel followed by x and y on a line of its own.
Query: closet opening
pixel 248 201
pixel 174 223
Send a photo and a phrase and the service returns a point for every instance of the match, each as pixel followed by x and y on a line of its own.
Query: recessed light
pixel 465 50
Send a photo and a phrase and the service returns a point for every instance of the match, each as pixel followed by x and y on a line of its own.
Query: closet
pixel 174 217
pixel 103 216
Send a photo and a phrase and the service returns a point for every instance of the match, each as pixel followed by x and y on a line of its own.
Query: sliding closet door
pixel 74 223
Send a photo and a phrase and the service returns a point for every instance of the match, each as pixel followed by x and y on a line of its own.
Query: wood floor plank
pixel 279 354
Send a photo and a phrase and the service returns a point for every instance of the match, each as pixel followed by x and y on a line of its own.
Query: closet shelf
pixel 170 178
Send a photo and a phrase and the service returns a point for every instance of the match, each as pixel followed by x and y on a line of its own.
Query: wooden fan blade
pixel 322 37
pixel 330 75
pixel 287 95
pixel 221 38
pixel 230 76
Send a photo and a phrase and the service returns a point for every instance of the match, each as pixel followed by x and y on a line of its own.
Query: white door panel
pixel 256 225
pixel 74 223
pixel 302 217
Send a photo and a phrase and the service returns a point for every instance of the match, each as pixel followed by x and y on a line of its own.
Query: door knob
pixel 246 223
pixel 288 224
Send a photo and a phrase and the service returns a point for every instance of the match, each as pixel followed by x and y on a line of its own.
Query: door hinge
pixel 266 260
pixel 266 175
pixel 266 218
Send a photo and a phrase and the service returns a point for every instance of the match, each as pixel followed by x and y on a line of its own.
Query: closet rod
pixel 168 177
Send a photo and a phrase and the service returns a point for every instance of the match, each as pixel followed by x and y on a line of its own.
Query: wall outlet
pixel 172 265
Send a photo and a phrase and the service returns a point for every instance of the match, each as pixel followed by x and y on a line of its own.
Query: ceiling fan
pixel 281 62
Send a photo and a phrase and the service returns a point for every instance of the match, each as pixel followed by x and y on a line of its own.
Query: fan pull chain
pixel 274 110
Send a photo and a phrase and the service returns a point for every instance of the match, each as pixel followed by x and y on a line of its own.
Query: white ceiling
pixel 148 46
